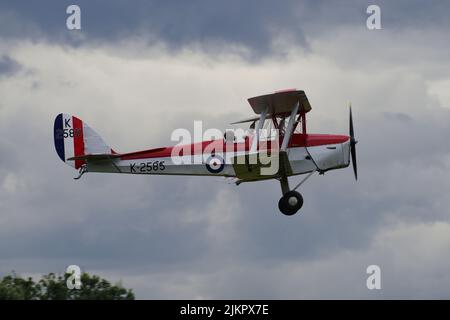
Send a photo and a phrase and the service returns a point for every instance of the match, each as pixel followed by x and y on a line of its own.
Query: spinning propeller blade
pixel 353 143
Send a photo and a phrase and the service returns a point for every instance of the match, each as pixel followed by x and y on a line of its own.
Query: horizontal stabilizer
pixel 95 157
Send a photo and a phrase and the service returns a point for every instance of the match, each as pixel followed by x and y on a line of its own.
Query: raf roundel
pixel 215 164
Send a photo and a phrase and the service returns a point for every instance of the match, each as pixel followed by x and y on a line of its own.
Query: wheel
pixel 290 203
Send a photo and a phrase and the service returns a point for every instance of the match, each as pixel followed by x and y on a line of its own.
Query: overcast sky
pixel 139 69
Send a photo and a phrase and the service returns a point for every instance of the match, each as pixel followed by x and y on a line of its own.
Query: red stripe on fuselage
pixel 297 140
pixel 78 141
pixel 195 148
pixel 313 140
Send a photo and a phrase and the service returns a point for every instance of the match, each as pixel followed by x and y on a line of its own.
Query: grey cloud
pixel 8 66
pixel 213 25
pixel 206 23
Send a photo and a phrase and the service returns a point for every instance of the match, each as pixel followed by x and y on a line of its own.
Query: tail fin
pixel 74 138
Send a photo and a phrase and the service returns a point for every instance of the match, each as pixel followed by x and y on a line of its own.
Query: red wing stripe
pixel 78 141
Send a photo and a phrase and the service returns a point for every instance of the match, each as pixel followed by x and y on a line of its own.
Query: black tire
pixel 290 203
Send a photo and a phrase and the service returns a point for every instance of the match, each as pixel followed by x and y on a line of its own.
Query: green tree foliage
pixel 54 287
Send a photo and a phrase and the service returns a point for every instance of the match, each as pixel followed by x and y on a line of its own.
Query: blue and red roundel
pixel 215 164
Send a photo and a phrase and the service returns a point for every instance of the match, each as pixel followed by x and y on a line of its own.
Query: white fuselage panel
pixel 301 159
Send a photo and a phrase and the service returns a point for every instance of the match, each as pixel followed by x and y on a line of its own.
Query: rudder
pixel 74 138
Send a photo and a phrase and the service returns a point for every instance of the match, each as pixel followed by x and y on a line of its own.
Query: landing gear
pixel 290 203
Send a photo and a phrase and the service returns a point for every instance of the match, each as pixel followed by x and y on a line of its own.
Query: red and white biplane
pixel 292 150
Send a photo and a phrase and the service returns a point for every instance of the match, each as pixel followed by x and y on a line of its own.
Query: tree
pixel 15 288
pixel 54 287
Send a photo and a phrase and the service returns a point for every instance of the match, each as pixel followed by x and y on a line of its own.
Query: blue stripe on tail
pixel 58 135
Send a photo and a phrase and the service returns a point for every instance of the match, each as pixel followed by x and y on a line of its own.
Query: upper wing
pixel 280 102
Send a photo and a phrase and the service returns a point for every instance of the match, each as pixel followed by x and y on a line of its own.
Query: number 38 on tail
pixel 289 152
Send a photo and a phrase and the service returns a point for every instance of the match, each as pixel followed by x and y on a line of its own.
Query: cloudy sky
pixel 139 69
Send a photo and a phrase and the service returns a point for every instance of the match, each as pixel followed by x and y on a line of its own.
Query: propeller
pixel 353 143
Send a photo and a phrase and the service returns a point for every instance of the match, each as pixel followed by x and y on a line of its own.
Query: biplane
pixel 292 149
